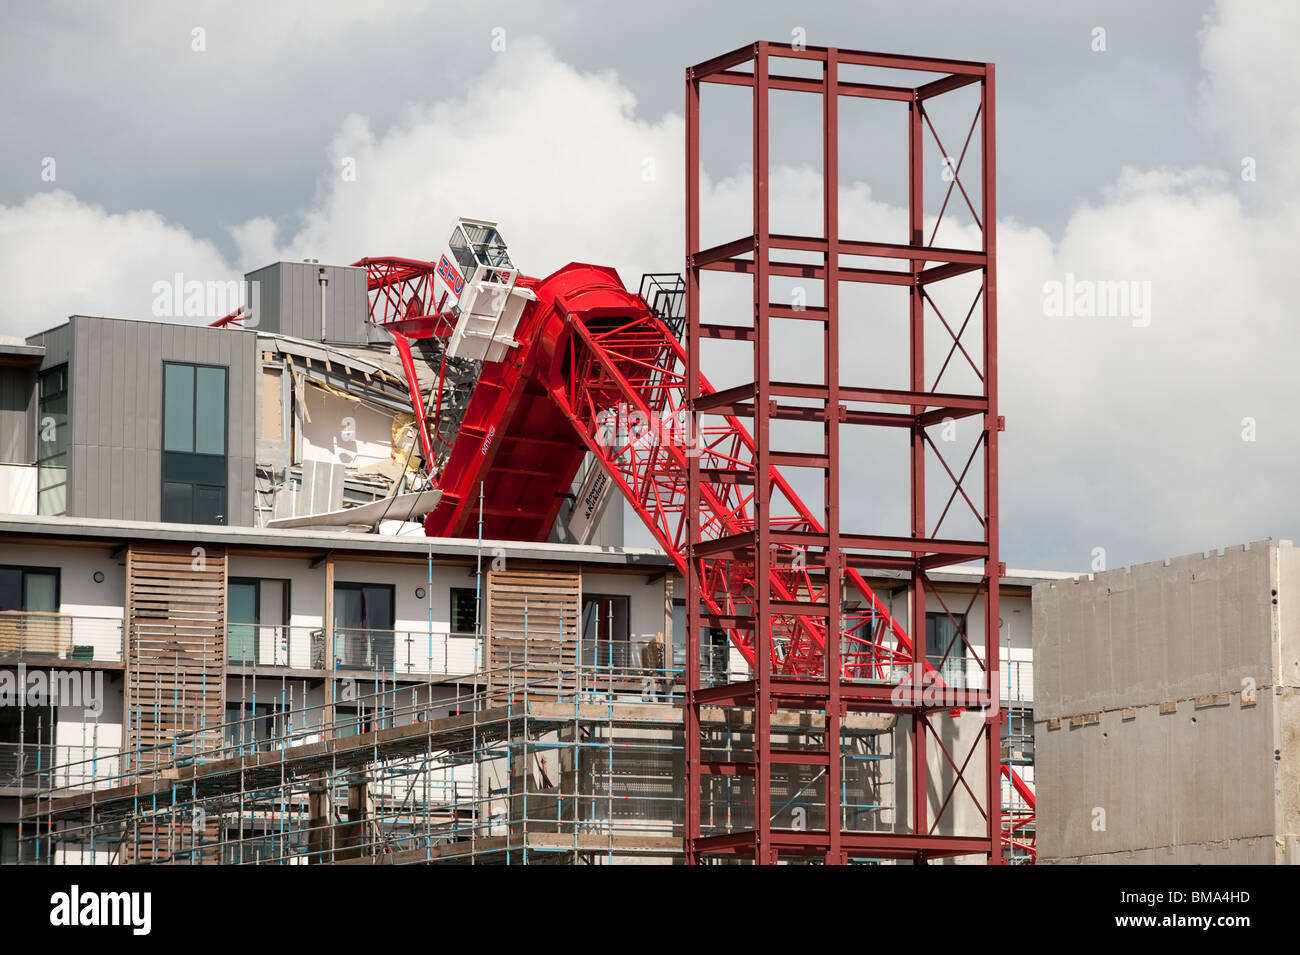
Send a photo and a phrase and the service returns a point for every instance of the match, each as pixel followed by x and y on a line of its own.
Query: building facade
pixel 269 639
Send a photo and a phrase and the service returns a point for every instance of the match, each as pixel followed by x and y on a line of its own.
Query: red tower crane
pixel 576 364
pixel 598 370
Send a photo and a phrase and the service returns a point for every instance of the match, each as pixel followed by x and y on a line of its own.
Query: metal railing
pixel 40 767
pixel 62 636
pixel 539 774
pixel 1017 681
pixel 393 652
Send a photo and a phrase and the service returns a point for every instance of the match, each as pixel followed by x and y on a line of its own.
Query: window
pixel 715 648
pixel 31 589
pixel 605 630
pixel 250 726
pixel 363 626
pixel 27 735
pixel 8 843
pixel 194 444
pixel 241 621
pixel 14 852
pixel 464 611
pixel 944 646
pixel 250 846
pixel 257 621
pixel 52 441
pixel 352 720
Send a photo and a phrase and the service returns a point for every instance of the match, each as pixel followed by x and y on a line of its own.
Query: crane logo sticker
pixel 448 274
pixel 487 442
pixel 589 504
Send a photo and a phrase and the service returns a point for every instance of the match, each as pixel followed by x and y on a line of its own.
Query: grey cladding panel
pixel 17 414
pixel 57 343
pixel 268 297
pixel 290 300
pixel 115 406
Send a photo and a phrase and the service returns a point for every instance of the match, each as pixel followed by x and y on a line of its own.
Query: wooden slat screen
pixel 176 648
pixel 543 607
pixel 175 671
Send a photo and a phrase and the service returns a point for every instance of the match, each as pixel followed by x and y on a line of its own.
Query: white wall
pixel 332 417
pixel 18 489
pixel 645 604
pixel 88 743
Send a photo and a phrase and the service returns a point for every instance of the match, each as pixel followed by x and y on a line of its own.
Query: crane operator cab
pixel 475 286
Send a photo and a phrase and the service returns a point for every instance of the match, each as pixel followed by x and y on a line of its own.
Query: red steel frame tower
pixel 834 690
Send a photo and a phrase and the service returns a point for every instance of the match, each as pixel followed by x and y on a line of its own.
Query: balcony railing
pixel 397 652
pixel 32 634
pixel 35 767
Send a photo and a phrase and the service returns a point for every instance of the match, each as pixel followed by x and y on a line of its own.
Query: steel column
pixel 789 672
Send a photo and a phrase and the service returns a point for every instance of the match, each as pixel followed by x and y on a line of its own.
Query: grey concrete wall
pixel 1287 697
pixel 1151 746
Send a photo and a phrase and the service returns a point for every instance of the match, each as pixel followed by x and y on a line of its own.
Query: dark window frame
pixel 470 593
pixel 627 601
pixel 956 649
pixel 376 649
pixel 259 728
pixel 353 719
pixel 41 398
pixel 25 725
pixel 25 569
pixel 285 611
pixel 223 457
pixel 610 649
pixel 58 459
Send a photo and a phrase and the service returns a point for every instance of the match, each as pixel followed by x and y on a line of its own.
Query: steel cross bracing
pixel 621 383
pixel 620 386
pixel 831 77
pixel 620 378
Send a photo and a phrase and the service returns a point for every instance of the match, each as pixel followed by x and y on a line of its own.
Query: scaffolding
pixel 578 765
pixel 1018 813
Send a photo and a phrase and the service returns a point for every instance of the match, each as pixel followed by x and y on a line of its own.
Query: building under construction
pixel 340 578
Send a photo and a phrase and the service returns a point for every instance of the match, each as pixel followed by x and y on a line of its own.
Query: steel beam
pixel 746 550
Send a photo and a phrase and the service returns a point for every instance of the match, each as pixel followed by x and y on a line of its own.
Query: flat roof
pixel 17 351
pixel 115 532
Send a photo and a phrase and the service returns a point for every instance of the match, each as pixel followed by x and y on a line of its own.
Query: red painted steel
pixel 762 609
pixel 616 376
pixel 1014 823
pixel 598 371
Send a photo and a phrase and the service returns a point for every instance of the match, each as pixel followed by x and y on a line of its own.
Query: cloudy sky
pixel 137 141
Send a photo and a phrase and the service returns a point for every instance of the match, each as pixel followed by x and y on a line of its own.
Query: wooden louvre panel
pixel 176 650
pixel 175 680
pixel 532 625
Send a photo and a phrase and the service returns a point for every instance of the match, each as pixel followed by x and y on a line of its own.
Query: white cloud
pixel 1122 437
pixel 556 156
pixel 1247 93
pixel 60 256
